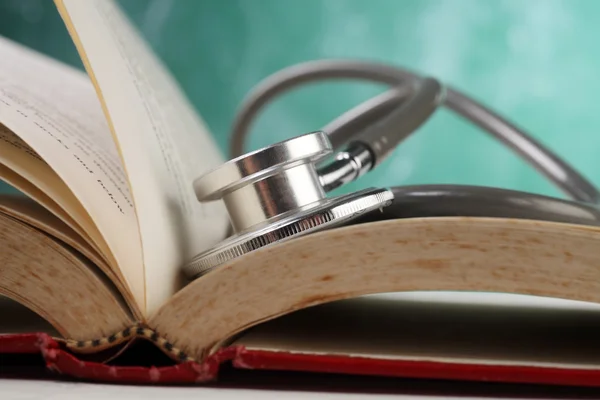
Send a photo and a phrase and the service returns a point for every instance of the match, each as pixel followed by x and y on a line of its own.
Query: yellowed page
pixel 163 143
pixel 55 111
pixel 449 254
pixel 55 282
pixel 32 213
pixel 22 320
pixel 21 160
pixel 33 192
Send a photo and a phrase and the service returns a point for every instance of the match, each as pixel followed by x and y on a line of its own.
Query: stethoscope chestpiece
pixel 275 194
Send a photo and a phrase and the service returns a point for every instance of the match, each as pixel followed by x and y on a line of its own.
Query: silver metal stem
pixel 348 165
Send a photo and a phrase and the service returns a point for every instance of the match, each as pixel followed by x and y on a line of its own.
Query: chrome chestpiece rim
pixel 265 183
pixel 274 194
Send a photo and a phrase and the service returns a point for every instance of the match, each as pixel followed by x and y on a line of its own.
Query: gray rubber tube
pixel 404 84
pixel 420 201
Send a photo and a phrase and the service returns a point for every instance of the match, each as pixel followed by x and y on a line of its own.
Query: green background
pixel 535 61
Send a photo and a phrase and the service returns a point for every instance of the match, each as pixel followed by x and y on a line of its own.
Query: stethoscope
pixel 279 192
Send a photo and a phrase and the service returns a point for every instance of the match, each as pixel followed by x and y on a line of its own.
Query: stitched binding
pixel 137 330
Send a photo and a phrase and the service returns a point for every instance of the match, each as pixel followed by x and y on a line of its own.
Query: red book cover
pixel 62 362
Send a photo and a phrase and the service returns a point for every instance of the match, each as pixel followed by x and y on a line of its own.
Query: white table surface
pixel 11 389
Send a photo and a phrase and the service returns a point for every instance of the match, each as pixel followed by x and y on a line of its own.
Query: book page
pixel 21 319
pixel 163 143
pixel 55 111
pixel 455 327
pixel 23 168
pixel 495 255
pixel 54 281
pixel 27 188
pixel 32 213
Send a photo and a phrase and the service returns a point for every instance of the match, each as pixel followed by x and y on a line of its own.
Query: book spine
pixel 58 359
pixel 128 334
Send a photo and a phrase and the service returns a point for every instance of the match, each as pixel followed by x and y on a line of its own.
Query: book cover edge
pixel 59 360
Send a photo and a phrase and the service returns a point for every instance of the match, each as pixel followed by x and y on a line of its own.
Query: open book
pixel 95 244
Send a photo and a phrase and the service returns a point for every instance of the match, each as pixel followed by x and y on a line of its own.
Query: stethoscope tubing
pixel 425 201
pixel 405 86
